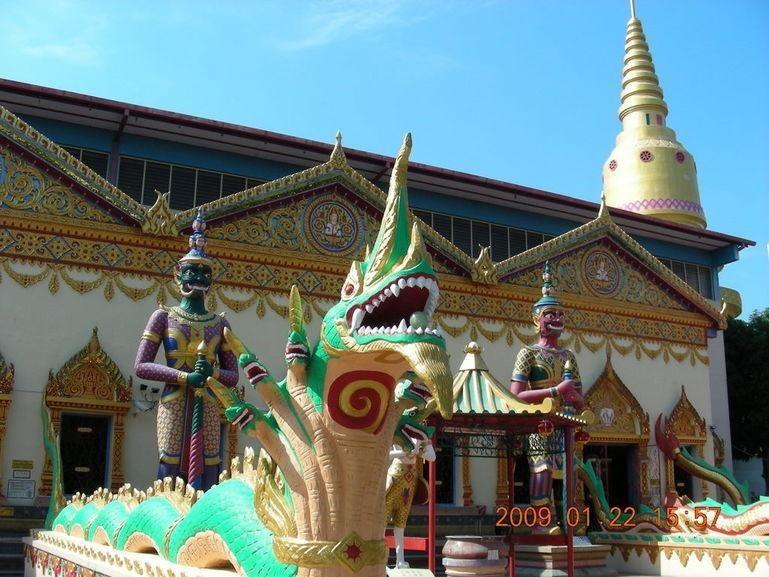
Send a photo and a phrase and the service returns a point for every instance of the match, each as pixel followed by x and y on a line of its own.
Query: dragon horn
pixel 295 312
pixel 394 236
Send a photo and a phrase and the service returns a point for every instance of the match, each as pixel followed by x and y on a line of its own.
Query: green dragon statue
pixel 707 517
pixel 313 501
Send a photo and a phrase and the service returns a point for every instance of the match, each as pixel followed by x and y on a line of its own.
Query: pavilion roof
pixel 478 393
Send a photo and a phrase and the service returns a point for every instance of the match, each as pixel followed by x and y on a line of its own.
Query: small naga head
pixel 548 313
pixel 194 273
pixel 388 300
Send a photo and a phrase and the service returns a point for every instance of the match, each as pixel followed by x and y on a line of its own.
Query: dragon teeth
pixel 357 317
pixel 402 282
pixel 421 282
pixel 388 292
pixel 402 327
pixel 411 281
pixel 395 289
pixel 369 309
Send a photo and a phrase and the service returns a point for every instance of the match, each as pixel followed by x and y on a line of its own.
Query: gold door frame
pixel 90 382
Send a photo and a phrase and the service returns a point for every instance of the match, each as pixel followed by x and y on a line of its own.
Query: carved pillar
pixel 503 489
pixel 118 479
pixel 46 481
pixel 643 458
pixel 467 485
pixel 670 478
pixel 6 388
pixel 5 401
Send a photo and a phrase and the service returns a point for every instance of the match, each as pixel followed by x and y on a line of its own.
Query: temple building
pixel 97 200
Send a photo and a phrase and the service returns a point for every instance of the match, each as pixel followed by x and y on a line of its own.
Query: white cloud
pixel 60 31
pixel 75 53
pixel 332 21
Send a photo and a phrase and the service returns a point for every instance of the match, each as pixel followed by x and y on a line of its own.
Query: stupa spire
pixel 649 171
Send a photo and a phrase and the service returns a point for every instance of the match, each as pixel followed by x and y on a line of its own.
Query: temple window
pixel 93 159
pixel 139 178
pixel 696 276
pixel 471 234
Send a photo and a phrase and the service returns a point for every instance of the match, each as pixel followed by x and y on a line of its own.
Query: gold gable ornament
pixel 620 418
pixel 690 428
pixel 159 220
pixel 686 423
pixel 89 382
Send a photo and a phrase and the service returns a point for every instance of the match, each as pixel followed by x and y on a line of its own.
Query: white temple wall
pixel 39 332
pixel 719 395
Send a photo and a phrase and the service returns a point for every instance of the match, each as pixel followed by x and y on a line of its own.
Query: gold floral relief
pixel 600 269
pixel 27 188
pixel 619 415
pixel 90 375
pixel 686 422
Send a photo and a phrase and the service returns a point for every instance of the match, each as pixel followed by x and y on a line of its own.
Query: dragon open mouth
pixel 406 306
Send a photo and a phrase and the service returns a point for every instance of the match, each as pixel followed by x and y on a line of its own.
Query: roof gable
pixel 329 210
pixel 52 181
pixel 599 260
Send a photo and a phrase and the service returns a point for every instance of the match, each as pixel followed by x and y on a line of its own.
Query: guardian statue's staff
pixel 546 370
pixel 188 422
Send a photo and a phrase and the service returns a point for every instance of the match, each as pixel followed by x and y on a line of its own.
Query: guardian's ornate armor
pixel 189 416
pixel 545 368
pixel 181 333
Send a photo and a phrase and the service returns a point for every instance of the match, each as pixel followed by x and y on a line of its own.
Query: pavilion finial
pixel 632 9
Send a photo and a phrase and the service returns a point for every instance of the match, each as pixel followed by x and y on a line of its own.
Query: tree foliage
pixel 747 373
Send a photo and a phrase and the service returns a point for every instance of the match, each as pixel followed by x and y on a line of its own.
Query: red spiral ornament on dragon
pixel 359 399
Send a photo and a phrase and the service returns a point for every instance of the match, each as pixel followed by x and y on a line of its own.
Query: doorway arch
pixel 91 385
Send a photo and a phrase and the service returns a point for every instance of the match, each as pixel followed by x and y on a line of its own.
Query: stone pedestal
pixel 550 561
pixel 471 556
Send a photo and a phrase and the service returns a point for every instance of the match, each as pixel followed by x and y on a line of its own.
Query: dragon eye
pixel 352 284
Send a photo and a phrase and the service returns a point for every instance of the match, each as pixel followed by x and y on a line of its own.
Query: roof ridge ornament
pixel 158 219
pixel 338 157
pixel 603 210
pixel 484 270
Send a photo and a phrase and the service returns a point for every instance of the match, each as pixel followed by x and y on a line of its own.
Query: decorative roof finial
pixel 548 298
pixel 632 9
pixel 198 241
pixel 603 210
pixel 338 157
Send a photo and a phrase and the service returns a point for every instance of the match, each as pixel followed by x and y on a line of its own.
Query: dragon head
pixel 388 300
pixel 667 442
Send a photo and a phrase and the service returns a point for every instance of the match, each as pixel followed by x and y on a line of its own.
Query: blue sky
pixel 525 91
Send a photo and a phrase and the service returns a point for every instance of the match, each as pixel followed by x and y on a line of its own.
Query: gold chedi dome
pixel 649 171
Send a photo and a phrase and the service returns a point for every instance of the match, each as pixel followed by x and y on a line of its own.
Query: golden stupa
pixel 649 171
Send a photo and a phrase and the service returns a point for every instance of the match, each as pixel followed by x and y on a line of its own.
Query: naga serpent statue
pixel 313 501
pixel 708 517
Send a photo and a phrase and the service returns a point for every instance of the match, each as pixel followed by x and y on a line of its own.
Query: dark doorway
pixel 616 466
pixel 444 470
pixel 684 481
pixel 521 479
pixel 84 441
